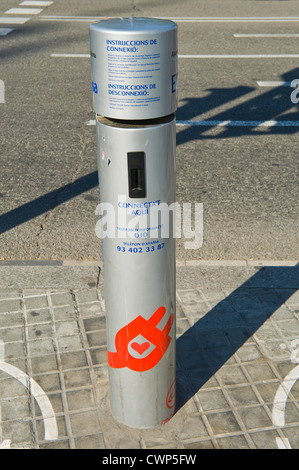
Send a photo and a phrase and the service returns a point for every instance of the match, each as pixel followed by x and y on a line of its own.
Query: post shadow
pixel 47 202
pixel 203 349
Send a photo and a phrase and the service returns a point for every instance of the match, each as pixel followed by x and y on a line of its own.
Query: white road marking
pixel 184 19
pixel 35 3
pixel 267 35
pixel 13 20
pixel 50 424
pixel 85 56
pixel 278 412
pixel 2 92
pixel 201 56
pixel 280 401
pixel 239 56
pixel 23 11
pixel 212 123
pixel 273 83
pixel 5 444
pixel 283 443
pixel 5 31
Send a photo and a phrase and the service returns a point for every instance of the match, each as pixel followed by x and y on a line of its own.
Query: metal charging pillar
pixel 134 82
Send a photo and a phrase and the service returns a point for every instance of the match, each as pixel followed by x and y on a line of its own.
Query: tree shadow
pixel 267 106
pixel 274 104
pixel 205 347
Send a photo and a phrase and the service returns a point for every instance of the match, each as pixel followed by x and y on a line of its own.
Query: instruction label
pixel 133 67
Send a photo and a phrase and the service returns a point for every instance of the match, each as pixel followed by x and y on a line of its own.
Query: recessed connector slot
pixel 136 174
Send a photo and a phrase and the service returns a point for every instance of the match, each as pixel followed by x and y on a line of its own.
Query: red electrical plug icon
pixel 157 342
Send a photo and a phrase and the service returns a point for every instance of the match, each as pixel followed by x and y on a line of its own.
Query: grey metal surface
pixel 134 67
pixel 139 273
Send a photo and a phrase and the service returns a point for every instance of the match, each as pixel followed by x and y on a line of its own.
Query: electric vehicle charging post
pixel 134 83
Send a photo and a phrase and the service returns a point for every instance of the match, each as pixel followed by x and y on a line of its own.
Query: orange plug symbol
pixel 148 329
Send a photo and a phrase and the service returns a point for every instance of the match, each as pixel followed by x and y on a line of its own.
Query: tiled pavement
pixel 237 341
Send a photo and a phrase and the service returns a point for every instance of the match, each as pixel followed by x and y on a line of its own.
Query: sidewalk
pixel 237 343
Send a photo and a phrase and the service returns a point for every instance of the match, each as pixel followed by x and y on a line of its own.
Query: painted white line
pixel 283 443
pixel 23 11
pixel 204 56
pixel 212 123
pixel 5 31
pixel 2 92
pixel 185 19
pixel 88 19
pixel 50 424
pixel 267 35
pixel 85 56
pixel 5 444
pixel 273 83
pixel 35 3
pixel 280 400
pixel 13 20
pixel 239 56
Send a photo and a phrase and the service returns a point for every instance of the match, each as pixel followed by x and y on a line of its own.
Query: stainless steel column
pixel 134 79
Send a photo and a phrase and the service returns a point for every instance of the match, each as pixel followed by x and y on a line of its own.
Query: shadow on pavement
pixel 213 339
pixel 265 106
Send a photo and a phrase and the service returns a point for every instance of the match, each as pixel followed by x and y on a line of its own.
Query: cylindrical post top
pixel 134 24
pixel 134 67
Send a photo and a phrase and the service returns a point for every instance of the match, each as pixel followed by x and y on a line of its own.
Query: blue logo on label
pixel 173 83
pixel 94 87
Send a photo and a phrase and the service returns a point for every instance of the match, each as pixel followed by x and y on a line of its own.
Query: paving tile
pixel 33 303
pixel 265 439
pixel 13 334
pixel 233 442
pixel 254 417
pixel 56 401
pixel 249 353
pixel 41 364
pixel 64 313
pixel 212 400
pixel 80 399
pixel 242 396
pixel 10 305
pixel 38 316
pixel 77 378
pixel 18 431
pixel 11 319
pixel 69 343
pixel 15 408
pixel 95 441
pixel 94 323
pixel 231 359
pixel 223 422
pixel 40 346
pixel 73 360
pixel 193 428
pixel 48 382
pixel 232 375
pixel 267 390
pixel 59 445
pixel 85 423
pixel 206 444
pixel 59 299
pixel 260 372
pixel 40 331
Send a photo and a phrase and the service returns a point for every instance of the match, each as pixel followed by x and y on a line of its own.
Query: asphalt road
pixel 245 174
